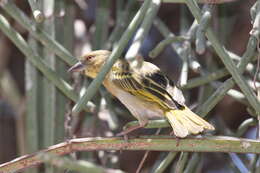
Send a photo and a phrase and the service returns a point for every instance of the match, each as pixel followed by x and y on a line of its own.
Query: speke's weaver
pixel 145 91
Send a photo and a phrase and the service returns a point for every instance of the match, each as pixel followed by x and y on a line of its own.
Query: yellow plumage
pixel 186 122
pixel 146 92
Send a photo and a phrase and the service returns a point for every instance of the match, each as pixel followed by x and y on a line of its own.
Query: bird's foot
pixel 176 137
pixel 172 133
pixel 125 132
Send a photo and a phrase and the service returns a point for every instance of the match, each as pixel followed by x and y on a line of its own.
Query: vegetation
pixel 214 57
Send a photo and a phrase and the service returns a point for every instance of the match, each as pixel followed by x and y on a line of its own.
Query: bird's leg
pixel 130 129
pixel 177 138
pixel 172 133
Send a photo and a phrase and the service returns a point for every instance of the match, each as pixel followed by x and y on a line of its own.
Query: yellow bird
pixel 145 91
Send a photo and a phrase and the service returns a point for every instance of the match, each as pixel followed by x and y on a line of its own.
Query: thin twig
pixel 142 161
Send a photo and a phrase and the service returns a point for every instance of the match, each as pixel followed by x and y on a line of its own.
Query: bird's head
pixel 91 63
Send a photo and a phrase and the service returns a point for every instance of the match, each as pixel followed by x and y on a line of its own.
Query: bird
pixel 145 91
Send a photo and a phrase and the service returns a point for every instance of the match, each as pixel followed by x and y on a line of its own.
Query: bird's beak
pixel 78 67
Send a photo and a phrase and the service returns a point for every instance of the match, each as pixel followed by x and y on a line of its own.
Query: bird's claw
pixel 176 137
pixel 124 134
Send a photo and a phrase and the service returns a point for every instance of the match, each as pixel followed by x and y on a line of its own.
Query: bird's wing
pixel 176 94
pixel 147 83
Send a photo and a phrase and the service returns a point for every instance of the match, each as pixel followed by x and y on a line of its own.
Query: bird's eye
pixel 88 58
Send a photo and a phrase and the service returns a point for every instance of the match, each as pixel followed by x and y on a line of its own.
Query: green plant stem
pixel 185 65
pixel 151 124
pixel 113 121
pixel 229 83
pixel 63 35
pixel 37 14
pixel 38 33
pixel 241 130
pixel 185 50
pixel 153 143
pixel 245 125
pixel 224 56
pixel 117 51
pixel 181 162
pixel 121 23
pixel 101 24
pixel 143 30
pixel 255 14
pixel 200 34
pixel 211 102
pixel 199 1
pixel 60 67
pixel 237 163
pixel 163 29
pixel 237 95
pixel 165 162
pixel 49 90
pixel 192 31
pixel 193 163
pixel 162 45
pixel 74 165
pixel 37 61
pixel 220 92
pixel 253 164
pixel 202 80
pixel 34 106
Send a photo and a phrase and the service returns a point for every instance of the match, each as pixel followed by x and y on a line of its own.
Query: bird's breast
pixel 136 106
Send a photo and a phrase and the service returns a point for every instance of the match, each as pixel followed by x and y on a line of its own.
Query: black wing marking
pixel 150 85
pixel 160 83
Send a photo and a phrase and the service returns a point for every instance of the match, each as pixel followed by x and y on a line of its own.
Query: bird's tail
pixel 185 122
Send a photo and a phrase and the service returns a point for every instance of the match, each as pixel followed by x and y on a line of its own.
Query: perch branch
pixel 153 143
